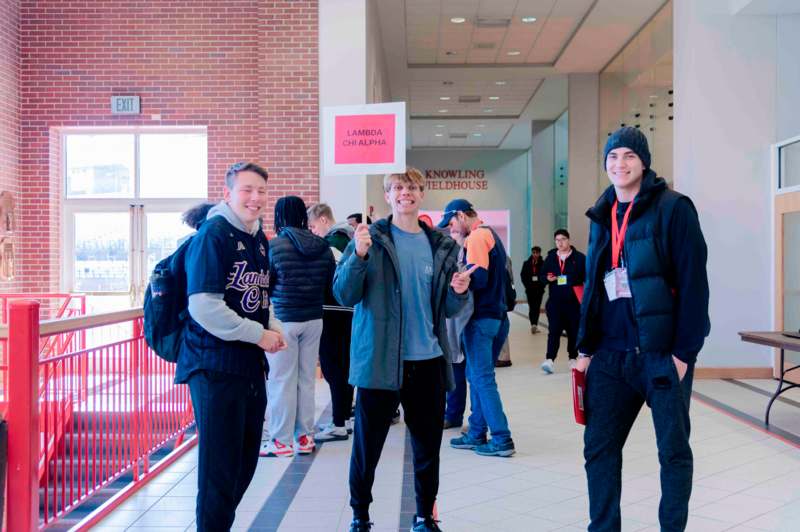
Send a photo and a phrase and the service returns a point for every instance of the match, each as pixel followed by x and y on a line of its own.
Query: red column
pixel 23 415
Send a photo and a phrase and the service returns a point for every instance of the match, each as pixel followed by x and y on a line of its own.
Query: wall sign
pixel 125 105
pixel 452 179
pixel 364 139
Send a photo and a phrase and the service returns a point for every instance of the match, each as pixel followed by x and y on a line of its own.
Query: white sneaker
pixel 331 432
pixel 274 448
pixel 349 425
pixel 547 367
pixel 534 329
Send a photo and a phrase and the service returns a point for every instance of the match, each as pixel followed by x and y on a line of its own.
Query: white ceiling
pixel 493 31
pixel 567 36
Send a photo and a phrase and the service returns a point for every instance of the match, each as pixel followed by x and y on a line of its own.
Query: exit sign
pixel 125 105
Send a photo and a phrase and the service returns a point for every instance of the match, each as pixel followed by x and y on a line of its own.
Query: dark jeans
pixel 229 410
pixel 457 399
pixel 334 360
pixel 422 397
pixel 534 304
pixel 617 385
pixel 500 339
pixel 562 316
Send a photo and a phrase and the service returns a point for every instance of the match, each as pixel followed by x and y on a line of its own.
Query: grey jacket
pixel 372 286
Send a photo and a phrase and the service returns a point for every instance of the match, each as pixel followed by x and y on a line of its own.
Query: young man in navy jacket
pixel 564 270
pixel 222 356
pixel 644 318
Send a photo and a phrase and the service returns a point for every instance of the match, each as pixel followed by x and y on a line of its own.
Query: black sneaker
pixel 360 525
pixel 396 417
pixel 429 524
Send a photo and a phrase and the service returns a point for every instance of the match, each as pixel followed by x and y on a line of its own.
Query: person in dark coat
pixel 565 270
pixel 301 270
pixel 337 322
pixel 534 283
pixel 644 318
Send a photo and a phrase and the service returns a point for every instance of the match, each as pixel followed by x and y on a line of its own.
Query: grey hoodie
pixel 209 309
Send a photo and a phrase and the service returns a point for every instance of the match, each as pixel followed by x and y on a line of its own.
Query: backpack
pixel 166 305
pixel 511 294
pixel 508 284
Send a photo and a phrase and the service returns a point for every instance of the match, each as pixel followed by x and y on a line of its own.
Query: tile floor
pixel 745 480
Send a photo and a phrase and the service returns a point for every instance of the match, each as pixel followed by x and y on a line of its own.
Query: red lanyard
pixel 561 264
pixel 618 233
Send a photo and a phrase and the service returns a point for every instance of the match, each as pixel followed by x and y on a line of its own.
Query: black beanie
pixel 290 211
pixel 631 138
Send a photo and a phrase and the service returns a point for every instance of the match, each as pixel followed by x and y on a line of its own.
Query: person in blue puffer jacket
pixel 301 269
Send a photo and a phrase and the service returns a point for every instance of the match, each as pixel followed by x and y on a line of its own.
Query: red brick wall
pixel 9 109
pixel 246 69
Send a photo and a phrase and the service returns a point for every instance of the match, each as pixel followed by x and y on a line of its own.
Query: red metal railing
pixel 81 420
pixel 52 306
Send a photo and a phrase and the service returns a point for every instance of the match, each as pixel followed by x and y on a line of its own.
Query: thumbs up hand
pixel 363 240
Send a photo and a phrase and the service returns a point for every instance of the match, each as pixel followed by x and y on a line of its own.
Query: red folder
pixel 578 289
pixel 578 395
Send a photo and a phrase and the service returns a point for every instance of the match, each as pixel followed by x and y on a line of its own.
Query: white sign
pixel 364 139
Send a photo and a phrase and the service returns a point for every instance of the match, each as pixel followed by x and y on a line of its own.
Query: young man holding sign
pixel 403 280
pixel 644 318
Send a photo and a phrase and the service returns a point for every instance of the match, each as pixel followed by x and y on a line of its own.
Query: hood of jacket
pixel 341 227
pixel 306 242
pixel 652 186
pixel 224 210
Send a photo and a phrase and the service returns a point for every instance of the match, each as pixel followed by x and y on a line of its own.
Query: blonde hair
pixel 411 175
pixel 320 209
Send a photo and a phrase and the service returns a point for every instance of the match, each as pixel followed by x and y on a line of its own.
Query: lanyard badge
pixel 616 281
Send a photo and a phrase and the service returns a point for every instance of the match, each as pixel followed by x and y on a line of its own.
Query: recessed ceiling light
pixel 458 20
pixel 450 52
pixel 494 97
pixel 528 20
pixel 488 110
pixel 442 110
pixel 481 125
pixel 499 82
pixel 654 96
pixel 513 52
pixel 477 134
pixel 444 98
pixel 440 134
pixel 439 125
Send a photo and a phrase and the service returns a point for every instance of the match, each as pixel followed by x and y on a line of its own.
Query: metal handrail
pixel 89 321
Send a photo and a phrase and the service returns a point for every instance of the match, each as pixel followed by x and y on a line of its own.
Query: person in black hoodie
pixel 534 283
pixel 564 270
pixel 643 320
pixel 301 270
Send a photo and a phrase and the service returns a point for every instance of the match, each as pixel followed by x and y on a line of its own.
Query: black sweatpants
pixel 423 399
pixel 334 360
pixel 229 410
pixel 562 316
pixel 534 304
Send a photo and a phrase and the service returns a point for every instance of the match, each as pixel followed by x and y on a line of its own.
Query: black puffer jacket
pixel 666 257
pixel 301 269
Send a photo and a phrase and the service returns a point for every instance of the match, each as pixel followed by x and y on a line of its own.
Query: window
pixel 124 195
pixel 136 165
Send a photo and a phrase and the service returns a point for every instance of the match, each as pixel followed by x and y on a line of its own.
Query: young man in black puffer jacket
pixel 643 320
pixel 301 270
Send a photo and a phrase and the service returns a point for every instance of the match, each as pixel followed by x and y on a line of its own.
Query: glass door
pixel 787 243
